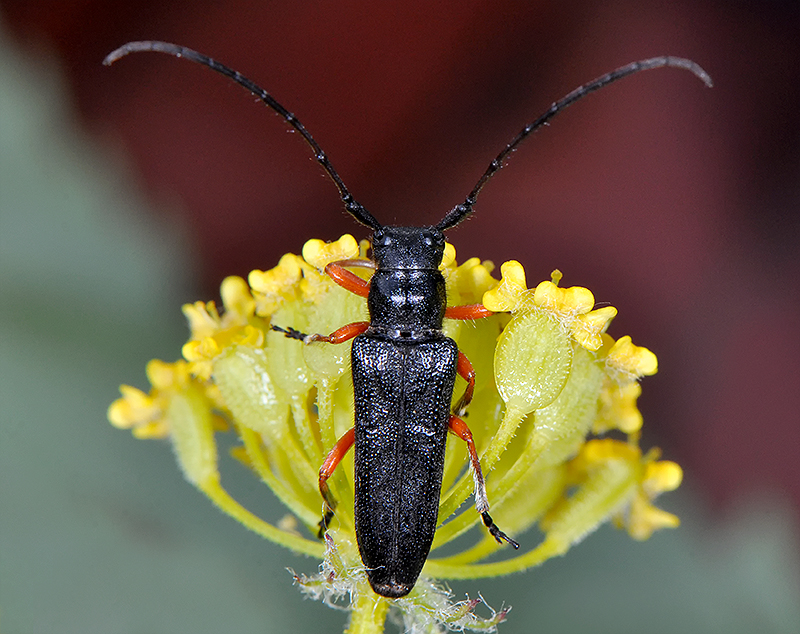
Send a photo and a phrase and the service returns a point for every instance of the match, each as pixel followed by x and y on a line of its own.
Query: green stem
pixel 325 391
pixel 219 496
pixel 302 423
pixel 550 547
pixel 368 615
pixel 481 550
pixel 292 499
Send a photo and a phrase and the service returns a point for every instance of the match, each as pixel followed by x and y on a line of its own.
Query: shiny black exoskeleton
pixel 404 372
pixel 403 367
pixel 407 296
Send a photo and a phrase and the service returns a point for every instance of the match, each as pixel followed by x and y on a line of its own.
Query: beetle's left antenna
pixel 460 212
pixel 356 209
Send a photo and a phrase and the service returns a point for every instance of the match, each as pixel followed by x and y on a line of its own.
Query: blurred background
pixel 125 192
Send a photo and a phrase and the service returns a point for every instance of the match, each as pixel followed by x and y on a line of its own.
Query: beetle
pixel 403 366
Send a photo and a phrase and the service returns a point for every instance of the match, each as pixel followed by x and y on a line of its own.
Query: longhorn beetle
pixel 403 367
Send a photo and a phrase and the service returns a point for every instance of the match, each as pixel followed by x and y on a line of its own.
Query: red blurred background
pixel 676 204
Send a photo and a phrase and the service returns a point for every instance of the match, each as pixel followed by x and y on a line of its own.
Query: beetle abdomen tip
pixel 391 589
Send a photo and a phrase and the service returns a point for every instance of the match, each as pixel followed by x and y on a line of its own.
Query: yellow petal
pixel 661 476
pixel 250 336
pixel 277 280
pixel 645 518
pixel 271 288
pixel 122 414
pixel 587 329
pixel 449 257
pixel 507 294
pixel 206 348
pixel 618 408
pixel 137 411
pixel 632 359
pixel 598 452
pixel 573 300
pixel 164 376
pixel 236 297
pixel 151 431
pixel 203 318
pixel 471 280
pixel 319 254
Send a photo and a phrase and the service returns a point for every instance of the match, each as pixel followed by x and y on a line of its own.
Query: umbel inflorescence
pixel 554 418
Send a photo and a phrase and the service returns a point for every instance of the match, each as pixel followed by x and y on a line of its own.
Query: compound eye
pixel 434 239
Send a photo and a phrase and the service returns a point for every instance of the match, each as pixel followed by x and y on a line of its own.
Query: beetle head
pixel 413 248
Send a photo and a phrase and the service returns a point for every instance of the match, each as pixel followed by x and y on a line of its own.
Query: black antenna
pixel 460 212
pixel 356 209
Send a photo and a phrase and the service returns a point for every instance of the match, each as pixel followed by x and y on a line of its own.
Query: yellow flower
pixel 273 288
pixel 613 476
pixel 630 360
pixel 145 414
pixel 548 377
pixel 138 411
pixel 508 295
pixel 319 253
pixel 618 408
pixel 642 518
pixel 572 306
pixel 212 333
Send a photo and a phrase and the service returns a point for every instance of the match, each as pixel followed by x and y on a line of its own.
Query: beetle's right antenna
pixel 460 212
pixel 356 209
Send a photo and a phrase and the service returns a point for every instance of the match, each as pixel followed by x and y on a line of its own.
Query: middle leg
pixel 333 459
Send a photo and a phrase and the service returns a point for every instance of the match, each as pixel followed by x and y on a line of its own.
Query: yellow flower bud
pixel 506 296
pixel 319 254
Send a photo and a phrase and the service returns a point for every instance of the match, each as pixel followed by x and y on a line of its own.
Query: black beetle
pixel 403 367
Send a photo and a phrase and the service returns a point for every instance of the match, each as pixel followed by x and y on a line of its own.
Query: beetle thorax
pixel 407 292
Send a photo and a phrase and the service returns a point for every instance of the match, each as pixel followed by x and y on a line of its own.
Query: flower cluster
pixel 550 384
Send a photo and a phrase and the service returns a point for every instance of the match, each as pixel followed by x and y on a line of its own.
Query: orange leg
pixel 346 279
pixel 459 428
pixel 466 372
pixel 332 460
pixel 469 311
pixel 345 333
pixel 349 281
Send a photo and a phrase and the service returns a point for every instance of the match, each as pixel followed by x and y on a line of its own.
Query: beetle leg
pixel 459 428
pixel 349 281
pixel 345 333
pixel 468 311
pixel 466 372
pixel 333 458
pixel 346 279
pixel 355 263
pixel 290 332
